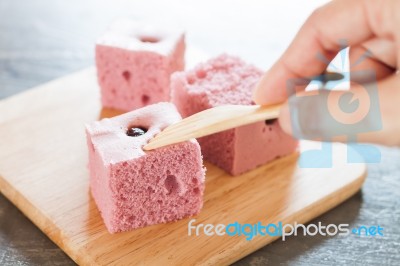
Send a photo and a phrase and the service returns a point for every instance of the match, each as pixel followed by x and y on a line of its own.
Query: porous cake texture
pixel 228 80
pixel 133 188
pixel 134 63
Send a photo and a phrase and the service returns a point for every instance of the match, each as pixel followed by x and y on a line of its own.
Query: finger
pixel 321 35
pixel 363 114
pixel 363 61
pixel 383 50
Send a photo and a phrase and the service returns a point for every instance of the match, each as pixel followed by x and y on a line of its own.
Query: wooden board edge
pixel 311 212
pixel 44 223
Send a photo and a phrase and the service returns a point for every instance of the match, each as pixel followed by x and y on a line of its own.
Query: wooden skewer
pixel 211 121
pixel 221 118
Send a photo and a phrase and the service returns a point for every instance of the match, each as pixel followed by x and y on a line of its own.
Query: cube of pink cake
pixel 134 64
pixel 229 80
pixel 133 188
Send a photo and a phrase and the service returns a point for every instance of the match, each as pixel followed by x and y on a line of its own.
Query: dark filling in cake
pixel 136 131
pixel 270 121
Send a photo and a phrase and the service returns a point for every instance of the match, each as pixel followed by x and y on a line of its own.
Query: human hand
pixel 366 25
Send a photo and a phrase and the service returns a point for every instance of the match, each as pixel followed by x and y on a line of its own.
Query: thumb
pixel 361 114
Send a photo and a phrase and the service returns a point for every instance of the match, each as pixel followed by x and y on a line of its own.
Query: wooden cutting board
pixel 43 172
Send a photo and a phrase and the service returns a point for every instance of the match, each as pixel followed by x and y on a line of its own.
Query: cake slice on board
pixel 134 62
pixel 229 80
pixel 133 188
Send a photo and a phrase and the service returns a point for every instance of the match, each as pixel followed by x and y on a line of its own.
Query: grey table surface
pixel 44 39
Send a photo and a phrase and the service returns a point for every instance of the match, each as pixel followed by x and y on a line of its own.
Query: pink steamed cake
pixel 134 63
pixel 229 80
pixel 133 188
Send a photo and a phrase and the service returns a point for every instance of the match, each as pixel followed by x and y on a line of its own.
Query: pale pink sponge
pixel 133 188
pixel 134 63
pixel 229 80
